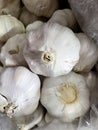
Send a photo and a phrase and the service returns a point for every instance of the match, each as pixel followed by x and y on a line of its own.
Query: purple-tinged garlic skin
pixel 52 50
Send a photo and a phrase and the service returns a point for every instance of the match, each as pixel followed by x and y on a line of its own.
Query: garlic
pixel 9 26
pixel 48 118
pixel 64 17
pixel 88 54
pixel 26 17
pixel 12 52
pixel 41 7
pixel 10 7
pixel 56 50
pixel 6 123
pixel 35 25
pixel 65 97
pixel 91 79
pixel 21 90
pixel 28 122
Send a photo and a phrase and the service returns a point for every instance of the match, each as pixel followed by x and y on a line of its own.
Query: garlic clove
pixel 22 100
pixel 9 26
pixel 56 50
pixel 33 26
pixel 41 7
pixel 12 52
pixel 64 17
pixel 11 7
pixel 88 54
pixel 65 97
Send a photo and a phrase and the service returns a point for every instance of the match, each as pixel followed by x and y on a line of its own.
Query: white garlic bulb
pixel 28 122
pixel 41 7
pixel 12 52
pixel 56 51
pixel 10 7
pixel 21 88
pixel 33 26
pixel 9 26
pixel 6 123
pixel 65 97
pixel 64 17
pixel 88 54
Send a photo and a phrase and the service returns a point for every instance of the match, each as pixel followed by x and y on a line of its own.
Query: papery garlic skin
pixel 21 87
pixel 12 52
pixel 88 54
pixel 11 7
pixel 9 26
pixel 41 7
pixel 64 17
pixel 6 123
pixel 33 26
pixel 27 17
pixel 28 122
pixel 56 50
pixel 65 97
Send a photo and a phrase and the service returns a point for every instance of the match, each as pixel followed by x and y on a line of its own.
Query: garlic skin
pixel 33 26
pixel 27 18
pixel 91 79
pixel 12 52
pixel 56 51
pixel 21 88
pixel 41 7
pixel 65 97
pixel 64 17
pixel 88 54
pixel 28 122
pixel 6 123
pixel 9 26
pixel 11 7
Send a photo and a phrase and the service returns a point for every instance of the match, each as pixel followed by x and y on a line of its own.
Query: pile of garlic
pixel 48 75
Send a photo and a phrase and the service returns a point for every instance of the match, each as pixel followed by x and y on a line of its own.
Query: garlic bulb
pixel 12 52
pixel 20 91
pixel 10 7
pixel 41 7
pixel 33 26
pixel 56 50
pixel 9 26
pixel 28 122
pixel 26 17
pixel 6 123
pixel 65 97
pixel 64 17
pixel 88 54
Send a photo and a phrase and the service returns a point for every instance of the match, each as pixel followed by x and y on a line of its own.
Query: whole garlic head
pixel 21 88
pixel 9 26
pixel 65 97
pixel 88 54
pixel 12 52
pixel 52 50
pixel 41 7
pixel 64 17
